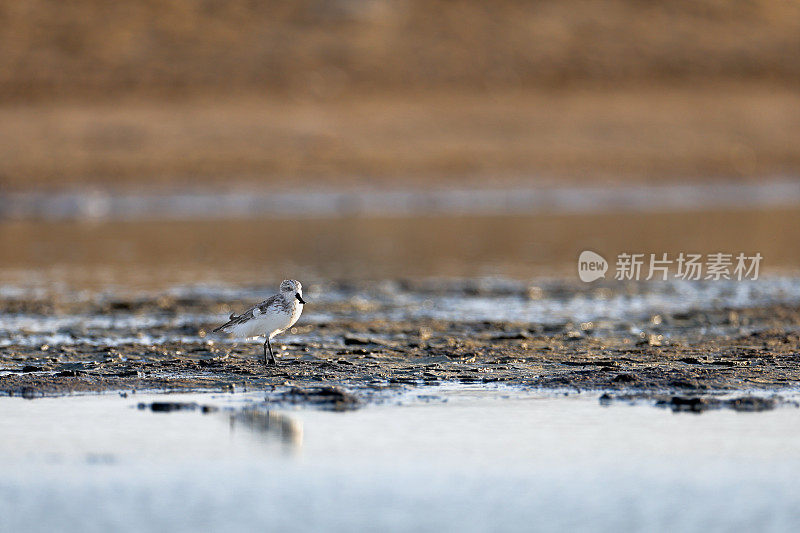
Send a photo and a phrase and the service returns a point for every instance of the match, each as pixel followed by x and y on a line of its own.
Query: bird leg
pixel 271 357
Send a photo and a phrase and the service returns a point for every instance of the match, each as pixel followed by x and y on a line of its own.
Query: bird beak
pixel 299 298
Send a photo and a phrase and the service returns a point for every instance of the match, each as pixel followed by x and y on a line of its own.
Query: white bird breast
pixel 266 324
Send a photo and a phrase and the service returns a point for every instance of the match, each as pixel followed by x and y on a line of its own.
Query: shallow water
pixel 228 204
pixel 605 308
pixel 451 458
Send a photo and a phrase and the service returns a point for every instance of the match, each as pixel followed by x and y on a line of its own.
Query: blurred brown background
pixel 396 92
pixel 176 96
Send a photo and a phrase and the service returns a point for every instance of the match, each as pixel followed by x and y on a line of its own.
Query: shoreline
pixel 358 341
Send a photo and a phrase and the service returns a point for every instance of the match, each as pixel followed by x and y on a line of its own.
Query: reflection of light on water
pixel 270 424
pixel 202 204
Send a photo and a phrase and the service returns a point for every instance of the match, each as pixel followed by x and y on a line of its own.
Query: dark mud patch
pixel 330 398
pixel 168 407
pixel 702 403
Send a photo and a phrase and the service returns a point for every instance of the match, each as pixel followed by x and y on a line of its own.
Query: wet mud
pixel 349 356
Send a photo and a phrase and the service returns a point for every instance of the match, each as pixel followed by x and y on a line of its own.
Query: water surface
pixel 449 459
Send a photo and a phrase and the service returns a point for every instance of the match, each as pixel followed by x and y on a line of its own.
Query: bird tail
pixel 224 327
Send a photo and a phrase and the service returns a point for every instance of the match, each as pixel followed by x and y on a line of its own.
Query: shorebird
pixel 274 315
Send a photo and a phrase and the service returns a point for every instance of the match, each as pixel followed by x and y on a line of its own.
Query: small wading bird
pixel 274 315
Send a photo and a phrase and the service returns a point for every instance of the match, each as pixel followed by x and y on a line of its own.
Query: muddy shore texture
pixel 680 360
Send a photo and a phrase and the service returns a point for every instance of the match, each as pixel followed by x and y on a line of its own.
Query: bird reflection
pixel 271 425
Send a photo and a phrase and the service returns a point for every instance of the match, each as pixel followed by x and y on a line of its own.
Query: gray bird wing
pixel 272 301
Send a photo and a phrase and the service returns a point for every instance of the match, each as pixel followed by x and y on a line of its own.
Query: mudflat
pixel 359 343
